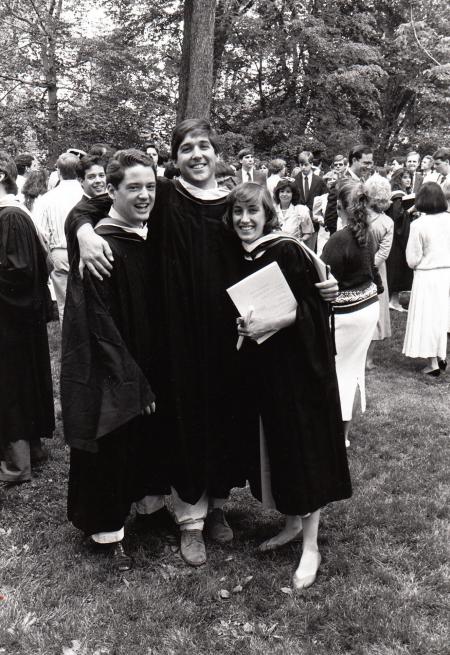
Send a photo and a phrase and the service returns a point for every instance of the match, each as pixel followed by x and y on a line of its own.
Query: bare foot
pixel 290 532
pixel 306 573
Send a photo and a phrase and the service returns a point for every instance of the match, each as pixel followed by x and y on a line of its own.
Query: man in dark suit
pixel 412 164
pixel 360 165
pixel 247 172
pixel 309 186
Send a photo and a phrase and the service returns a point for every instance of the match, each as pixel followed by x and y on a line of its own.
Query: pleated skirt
pixel 428 314
pixel 353 334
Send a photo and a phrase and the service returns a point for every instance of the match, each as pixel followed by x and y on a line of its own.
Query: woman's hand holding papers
pixel 255 327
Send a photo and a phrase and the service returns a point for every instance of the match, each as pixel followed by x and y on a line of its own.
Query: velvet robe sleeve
pixel 102 387
pixel 88 210
pixel 312 317
pixel 23 272
pixel 330 219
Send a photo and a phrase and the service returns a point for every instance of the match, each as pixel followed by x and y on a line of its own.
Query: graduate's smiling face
pixel 94 182
pixel 249 220
pixel 135 196
pixel 196 159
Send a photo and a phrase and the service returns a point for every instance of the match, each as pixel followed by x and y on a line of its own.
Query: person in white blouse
pixel 50 214
pixel 378 190
pixel 428 253
pixel 294 219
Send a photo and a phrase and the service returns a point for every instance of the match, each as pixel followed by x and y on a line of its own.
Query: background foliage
pixel 288 74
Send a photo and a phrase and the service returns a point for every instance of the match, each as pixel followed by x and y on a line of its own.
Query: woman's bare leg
pixel 310 560
pixel 290 532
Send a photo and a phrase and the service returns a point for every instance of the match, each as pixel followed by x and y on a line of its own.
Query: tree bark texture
pixel 196 71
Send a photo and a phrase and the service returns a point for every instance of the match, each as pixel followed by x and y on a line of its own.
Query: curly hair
pixel 9 170
pixel 35 185
pixel 397 175
pixel 250 192
pixel 379 192
pixel 354 201
pixel 283 184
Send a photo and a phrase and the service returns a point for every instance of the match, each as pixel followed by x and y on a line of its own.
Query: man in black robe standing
pixel 26 398
pixel 107 364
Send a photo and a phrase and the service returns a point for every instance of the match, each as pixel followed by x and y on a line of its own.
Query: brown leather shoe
pixel 192 547
pixel 217 528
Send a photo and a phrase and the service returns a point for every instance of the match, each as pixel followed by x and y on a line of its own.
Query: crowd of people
pixel 157 399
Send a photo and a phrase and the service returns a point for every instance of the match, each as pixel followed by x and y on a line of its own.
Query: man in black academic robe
pixel 26 398
pixel 107 364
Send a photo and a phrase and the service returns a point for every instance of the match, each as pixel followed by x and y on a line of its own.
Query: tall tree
pixel 196 70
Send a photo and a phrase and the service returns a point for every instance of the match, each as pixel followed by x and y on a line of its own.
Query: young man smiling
pixel 107 356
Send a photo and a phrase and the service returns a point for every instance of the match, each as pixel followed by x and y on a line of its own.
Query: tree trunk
pixel 196 71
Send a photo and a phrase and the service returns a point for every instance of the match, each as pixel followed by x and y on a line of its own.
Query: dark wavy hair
pixel 396 178
pixel 283 184
pixel 122 160
pixel 197 126
pixel 354 201
pixel 9 168
pixel 250 192
pixel 35 185
pixel 430 199
pixel 88 161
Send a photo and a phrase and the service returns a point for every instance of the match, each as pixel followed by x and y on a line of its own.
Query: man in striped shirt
pixel 50 213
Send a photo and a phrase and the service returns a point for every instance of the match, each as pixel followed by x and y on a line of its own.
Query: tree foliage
pixel 286 74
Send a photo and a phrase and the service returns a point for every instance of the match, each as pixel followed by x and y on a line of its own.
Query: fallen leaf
pixel 126 583
pixel 237 589
pixel 248 627
pixel 223 578
pixel 248 579
pixel 230 558
pixel 286 590
pixel 72 650
pixel 223 593
pixel 272 628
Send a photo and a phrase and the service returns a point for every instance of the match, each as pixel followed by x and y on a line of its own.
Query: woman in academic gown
pixel 295 452
pixel 26 398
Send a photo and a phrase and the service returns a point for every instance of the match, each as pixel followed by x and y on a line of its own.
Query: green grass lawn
pixel 383 586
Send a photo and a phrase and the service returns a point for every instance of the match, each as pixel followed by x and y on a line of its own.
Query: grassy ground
pixel 383 584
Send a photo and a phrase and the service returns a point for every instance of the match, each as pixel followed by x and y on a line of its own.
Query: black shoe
pixel 442 364
pixel 435 373
pixel 159 523
pixel 121 561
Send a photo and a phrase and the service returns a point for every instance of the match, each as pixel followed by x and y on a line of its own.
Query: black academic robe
pixel 106 369
pixel 399 274
pixel 194 258
pixel 291 384
pixel 26 397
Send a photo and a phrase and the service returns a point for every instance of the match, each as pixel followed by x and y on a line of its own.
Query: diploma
pixel 265 293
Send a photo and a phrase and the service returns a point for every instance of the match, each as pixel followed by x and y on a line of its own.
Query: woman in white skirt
pixel 378 190
pixel 350 254
pixel 428 253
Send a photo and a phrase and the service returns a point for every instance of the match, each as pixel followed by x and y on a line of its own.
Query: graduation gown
pixel 26 398
pixel 194 257
pixel 290 382
pixel 106 368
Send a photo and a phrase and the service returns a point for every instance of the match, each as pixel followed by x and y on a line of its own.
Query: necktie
pixel 249 176
pixel 306 187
